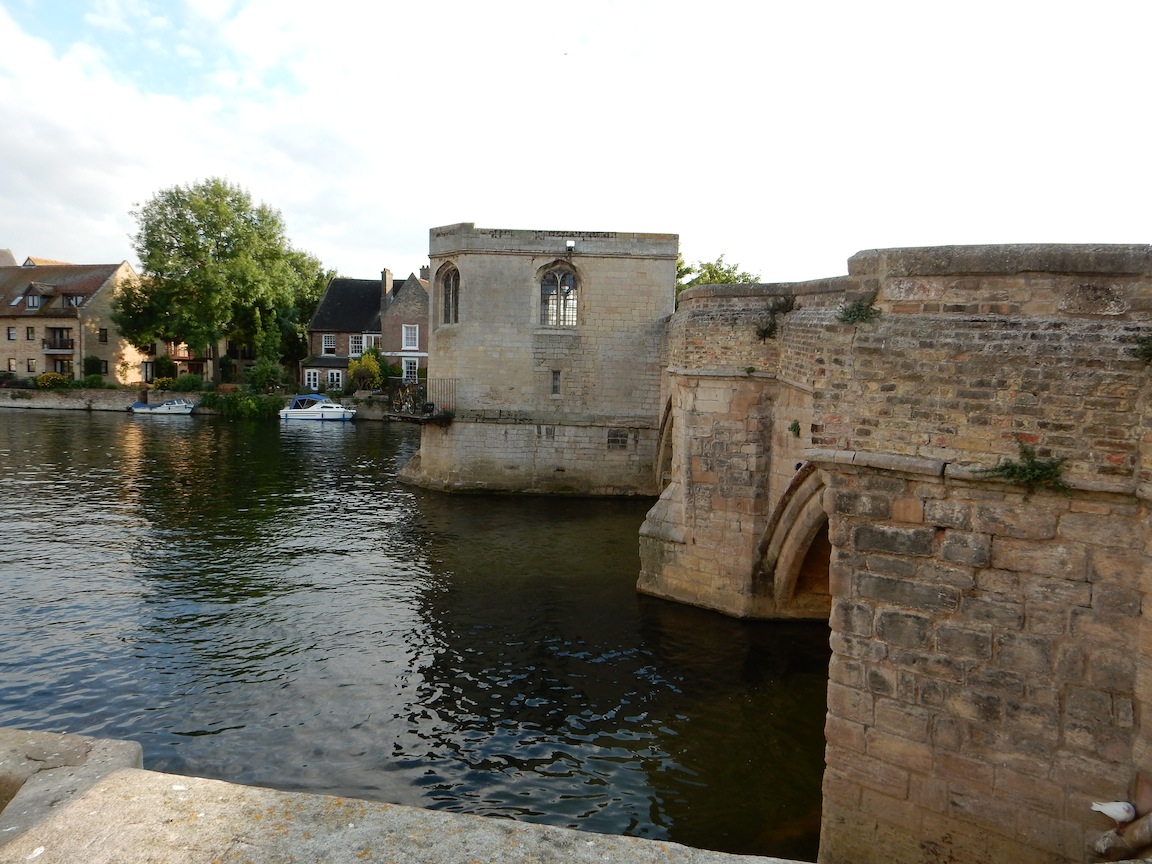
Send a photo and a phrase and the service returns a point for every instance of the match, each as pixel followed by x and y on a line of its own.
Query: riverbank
pixel 77 799
pixel 367 408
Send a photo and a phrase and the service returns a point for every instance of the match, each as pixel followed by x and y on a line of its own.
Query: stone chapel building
pixel 553 340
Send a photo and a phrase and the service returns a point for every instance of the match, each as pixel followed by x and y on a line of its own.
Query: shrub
pixel 1031 472
pixel 163 383
pixel 52 381
pixel 858 311
pixel 94 381
pixel 92 366
pixel 243 405
pixel 165 367
pixel 188 383
pixel 263 376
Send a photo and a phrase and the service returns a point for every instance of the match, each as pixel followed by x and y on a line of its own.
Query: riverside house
pixel 55 315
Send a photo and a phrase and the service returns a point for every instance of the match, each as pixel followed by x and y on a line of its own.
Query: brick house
pixel 354 315
pixel 54 315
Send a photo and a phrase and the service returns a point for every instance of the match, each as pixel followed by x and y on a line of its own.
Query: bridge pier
pixel 991 653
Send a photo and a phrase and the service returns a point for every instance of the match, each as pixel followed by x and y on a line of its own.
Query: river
pixel 266 605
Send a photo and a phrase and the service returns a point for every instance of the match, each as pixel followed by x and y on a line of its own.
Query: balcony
pixel 59 346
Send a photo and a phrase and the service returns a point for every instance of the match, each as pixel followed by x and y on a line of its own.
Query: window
pixel 11 364
pixel 103 336
pixel 103 367
pixel 11 334
pixel 355 345
pixel 31 365
pixel 63 367
pixel 555 382
pixel 328 343
pixel 411 337
pixel 558 298
pixel 450 293
pixel 32 301
pixel 73 299
pixel 335 378
pixel 312 379
pixel 410 366
pixel 371 340
pixel 148 370
pixel 30 334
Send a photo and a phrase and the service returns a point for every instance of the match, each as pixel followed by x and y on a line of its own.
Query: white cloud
pixel 787 137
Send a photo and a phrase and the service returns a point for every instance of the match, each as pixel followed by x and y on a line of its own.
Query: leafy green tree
pixel 710 273
pixel 212 264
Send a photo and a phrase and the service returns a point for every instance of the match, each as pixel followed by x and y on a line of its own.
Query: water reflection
pixel 266 605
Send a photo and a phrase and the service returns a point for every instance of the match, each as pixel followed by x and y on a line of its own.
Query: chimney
pixel 424 272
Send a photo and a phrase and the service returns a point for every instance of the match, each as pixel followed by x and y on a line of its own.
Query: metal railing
pixel 59 344
pixel 419 397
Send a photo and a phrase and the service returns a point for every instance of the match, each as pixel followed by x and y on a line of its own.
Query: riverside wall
pixel 991 652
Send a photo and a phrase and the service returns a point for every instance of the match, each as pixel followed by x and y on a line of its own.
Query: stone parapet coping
pixel 719 372
pixel 1010 259
pixel 128 814
pixel 956 470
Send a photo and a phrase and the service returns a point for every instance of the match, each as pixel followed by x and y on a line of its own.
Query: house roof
pixel 40 262
pixel 412 283
pixel 7 259
pixel 51 280
pixel 324 361
pixel 349 306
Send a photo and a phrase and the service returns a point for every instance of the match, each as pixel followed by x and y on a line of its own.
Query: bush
pixel 92 366
pixel 163 383
pixel 165 367
pixel 264 375
pixel 245 405
pixel 95 382
pixel 187 383
pixel 52 381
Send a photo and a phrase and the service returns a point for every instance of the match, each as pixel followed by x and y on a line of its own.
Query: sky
pixel 786 136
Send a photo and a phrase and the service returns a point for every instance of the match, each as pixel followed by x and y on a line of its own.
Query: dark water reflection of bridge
pixel 265 605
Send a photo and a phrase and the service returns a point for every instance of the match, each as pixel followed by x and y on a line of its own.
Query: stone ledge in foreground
pixel 146 817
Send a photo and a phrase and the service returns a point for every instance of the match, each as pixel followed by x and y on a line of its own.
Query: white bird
pixel 1118 811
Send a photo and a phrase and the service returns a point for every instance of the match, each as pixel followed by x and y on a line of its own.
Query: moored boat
pixel 315 406
pixel 169 406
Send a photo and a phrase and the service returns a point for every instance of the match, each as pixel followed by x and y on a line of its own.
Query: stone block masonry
pixel 562 398
pixel 992 655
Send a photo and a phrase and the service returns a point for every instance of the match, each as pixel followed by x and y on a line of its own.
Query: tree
pixel 710 273
pixel 213 265
pixel 364 372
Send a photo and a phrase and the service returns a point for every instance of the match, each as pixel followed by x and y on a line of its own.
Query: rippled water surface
pixel 265 605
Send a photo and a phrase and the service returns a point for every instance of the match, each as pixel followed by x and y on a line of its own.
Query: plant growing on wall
pixel 794 428
pixel 859 311
pixel 769 327
pixel 1142 349
pixel 1031 472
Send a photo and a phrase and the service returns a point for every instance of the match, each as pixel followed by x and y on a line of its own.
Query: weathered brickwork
pixel 983 649
pixel 591 385
pixel 991 655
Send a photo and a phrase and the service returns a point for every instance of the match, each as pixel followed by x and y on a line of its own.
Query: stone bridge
pixel 824 454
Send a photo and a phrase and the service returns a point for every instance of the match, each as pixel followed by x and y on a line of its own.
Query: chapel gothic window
pixel 558 298
pixel 450 293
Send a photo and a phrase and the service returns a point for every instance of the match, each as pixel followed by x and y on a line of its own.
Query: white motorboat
pixel 314 406
pixel 170 406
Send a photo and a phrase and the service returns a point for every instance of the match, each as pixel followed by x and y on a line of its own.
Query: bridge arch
pixel 794 554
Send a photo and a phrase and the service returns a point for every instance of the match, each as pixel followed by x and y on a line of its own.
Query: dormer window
pixel 32 301
pixel 73 299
